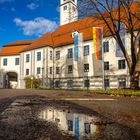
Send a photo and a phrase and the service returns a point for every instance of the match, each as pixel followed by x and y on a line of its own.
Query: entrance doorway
pixel 11 80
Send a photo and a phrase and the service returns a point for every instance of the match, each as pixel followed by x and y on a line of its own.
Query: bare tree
pixel 112 13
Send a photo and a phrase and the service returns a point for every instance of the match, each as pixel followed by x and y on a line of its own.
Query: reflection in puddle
pixel 41 119
pixel 77 125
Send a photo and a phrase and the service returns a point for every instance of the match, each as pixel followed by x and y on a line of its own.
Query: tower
pixel 68 11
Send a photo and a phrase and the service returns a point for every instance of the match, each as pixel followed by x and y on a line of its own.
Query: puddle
pixel 37 118
pixel 77 125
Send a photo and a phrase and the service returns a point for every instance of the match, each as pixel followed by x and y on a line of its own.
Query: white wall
pixel 69 15
pixel 78 66
pixel 95 67
pixel 27 65
pixel 11 67
pixel 114 72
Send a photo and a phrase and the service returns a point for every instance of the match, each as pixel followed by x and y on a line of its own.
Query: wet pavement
pixel 42 118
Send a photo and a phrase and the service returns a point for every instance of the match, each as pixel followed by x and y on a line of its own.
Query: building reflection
pixel 75 124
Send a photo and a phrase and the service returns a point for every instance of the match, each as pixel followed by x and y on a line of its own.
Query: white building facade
pixel 10 65
pixel 51 58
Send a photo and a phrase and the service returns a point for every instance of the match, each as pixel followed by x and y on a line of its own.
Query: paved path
pixel 123 110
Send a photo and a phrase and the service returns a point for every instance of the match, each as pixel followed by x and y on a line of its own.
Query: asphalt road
pixel 124 111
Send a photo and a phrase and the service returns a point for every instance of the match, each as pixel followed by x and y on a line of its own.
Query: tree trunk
pixel 134 80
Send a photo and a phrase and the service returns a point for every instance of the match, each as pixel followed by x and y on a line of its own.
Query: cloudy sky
pixel 27 19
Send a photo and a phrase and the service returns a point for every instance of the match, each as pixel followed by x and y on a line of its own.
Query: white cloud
pixel 32 6
pixel 3 1
pixel 38 26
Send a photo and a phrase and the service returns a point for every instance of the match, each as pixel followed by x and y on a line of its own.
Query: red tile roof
pixel 63 35
pixel 12 50
pixel 20 42
pixel 45 40
pixel 15 48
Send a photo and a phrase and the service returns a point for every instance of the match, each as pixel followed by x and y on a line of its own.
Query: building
pixel 51 57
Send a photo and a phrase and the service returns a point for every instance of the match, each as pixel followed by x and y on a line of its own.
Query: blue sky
pixel 27 19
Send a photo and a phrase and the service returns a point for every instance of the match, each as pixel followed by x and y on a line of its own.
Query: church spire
pixel 68 11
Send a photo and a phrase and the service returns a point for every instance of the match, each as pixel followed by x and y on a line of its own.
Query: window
pixel 38 70
pixel 27 58
pixel 70 53
pixel 87 128
pixel 57 84
pixel 70 69
pixel 57 55
pixel 57 70
pixel 38 56
pixel 122 82
pixel 86 50
pixel 27 71
pixel 86 83
pixel 106 83
pixel 50 70
pixel 70 125
pixel 121 64
pixel 106 65
pixel 57 120
pixel 51 55
pixel 5 62
pixel 16 61
pixel 106 46
pixel 65 8
pixel 86 67
pixel 70 83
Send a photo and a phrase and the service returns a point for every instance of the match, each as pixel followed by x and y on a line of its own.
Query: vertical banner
pixel 97 42
pixel 80 40
pixel 75 46
pixel 76 122
pixel 80 46
pixel 119 52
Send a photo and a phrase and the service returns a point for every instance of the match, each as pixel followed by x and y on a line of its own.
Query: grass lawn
pixel 125 92
pixel 118 92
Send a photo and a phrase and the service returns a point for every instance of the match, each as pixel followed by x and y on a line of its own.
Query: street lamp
pixel 32 82
pixel 42 77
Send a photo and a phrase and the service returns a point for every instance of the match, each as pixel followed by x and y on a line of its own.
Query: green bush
pixel 36 83
pixel 31 82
